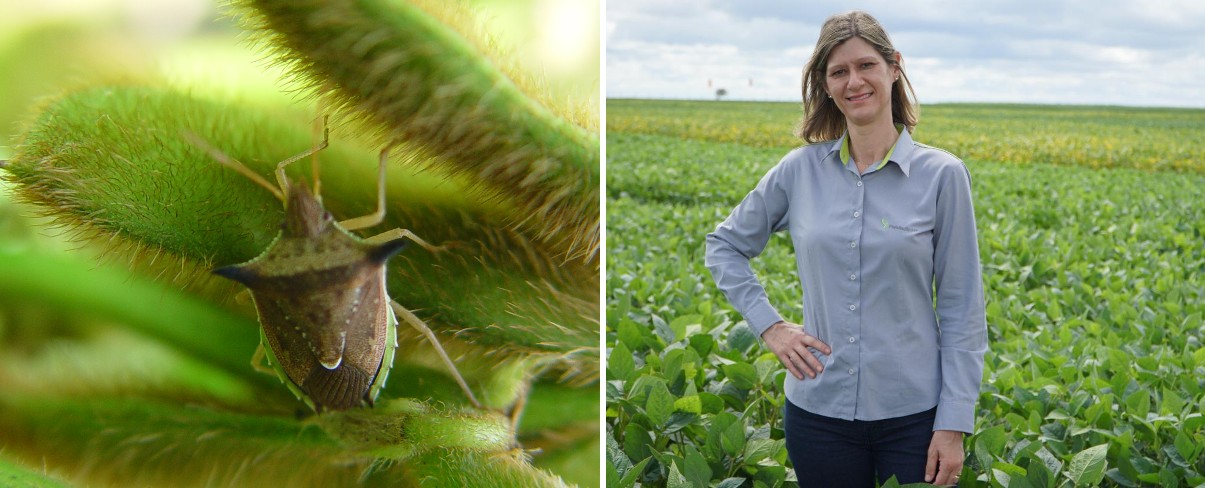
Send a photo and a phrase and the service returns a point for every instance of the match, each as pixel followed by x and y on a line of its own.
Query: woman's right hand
pixel 790 343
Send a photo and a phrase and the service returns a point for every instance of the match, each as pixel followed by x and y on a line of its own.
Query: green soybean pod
pixel 402 68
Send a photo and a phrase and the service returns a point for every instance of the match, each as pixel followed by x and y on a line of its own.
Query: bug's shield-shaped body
pixel 320 293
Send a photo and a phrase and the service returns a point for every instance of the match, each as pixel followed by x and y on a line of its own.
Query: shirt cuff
pixel 955 416
pixel 761 317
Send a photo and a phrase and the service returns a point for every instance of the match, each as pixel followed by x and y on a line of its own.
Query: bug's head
pixel 304 214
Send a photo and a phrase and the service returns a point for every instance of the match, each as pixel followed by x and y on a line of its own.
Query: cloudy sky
pixel 1139 53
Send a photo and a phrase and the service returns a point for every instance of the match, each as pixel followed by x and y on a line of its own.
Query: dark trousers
pixel 831 453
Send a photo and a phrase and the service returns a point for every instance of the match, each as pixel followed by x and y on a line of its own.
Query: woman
pixel 883 383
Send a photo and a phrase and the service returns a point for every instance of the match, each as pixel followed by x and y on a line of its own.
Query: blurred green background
pixel 49 46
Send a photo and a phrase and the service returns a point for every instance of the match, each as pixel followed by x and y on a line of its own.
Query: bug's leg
pixel 379 215
pixel 516 411
pixel 394 234
pixel 421 326
pixel 232 163
pixel 259 361
pixel 280 167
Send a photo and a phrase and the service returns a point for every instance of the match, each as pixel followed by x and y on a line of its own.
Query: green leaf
pixel 679 421
pixel 1167 477
pixel 770 475
pixel 989 445
pixel 711 402
pixel 620 363
pixel 1185 445
pixel 767 365
pixel 1139 403
pixel 1004 471
pixel 1171 403
pixel 697 470
pixel 637 443
pixel 740 338
pixel 731 483
pixel 1021 481
pixel 629 334
pixel 714 448
pixel 660 404
pixel 743 375
pixel 702 344
pixel 733 438
pixel 1054 466
pixel 611 474
pixel 1038 475
pixel 759 449
pixel 1173 455
pixel 616 458
pixel 671 365
pixel 1088 466
pixel 675 478
pixel 633 475
pixel 661 328
pixel 679 324
pixel 690 404
pixel 1117 476
pixel 1194 421
pixel 638 391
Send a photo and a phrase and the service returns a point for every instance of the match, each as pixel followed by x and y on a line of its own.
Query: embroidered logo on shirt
pixel 887 225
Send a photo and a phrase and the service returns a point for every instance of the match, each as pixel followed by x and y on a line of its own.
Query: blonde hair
pixel 822 120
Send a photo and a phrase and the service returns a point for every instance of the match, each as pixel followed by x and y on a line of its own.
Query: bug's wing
pixel 323 320
pixel 290 336
pixel 359 314
pixel 339 389
pixel 297 338
pixel 371 343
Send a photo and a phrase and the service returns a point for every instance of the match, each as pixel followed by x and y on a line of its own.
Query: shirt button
pixel 852 340
pixel 851 371
pixel 859 183
pixel 853 307
pixel 857 214
pixel 853 277
pixel 853 244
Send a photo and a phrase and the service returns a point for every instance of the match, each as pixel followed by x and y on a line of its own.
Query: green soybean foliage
pixel 1092 233
pixel 1094 137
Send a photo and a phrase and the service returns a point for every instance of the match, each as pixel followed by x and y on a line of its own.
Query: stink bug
pixel 327 323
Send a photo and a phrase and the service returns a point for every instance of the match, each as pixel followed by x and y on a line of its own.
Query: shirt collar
pixel 898 154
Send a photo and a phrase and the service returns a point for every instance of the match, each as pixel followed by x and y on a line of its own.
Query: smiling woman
pixel 862 49
pixel 877 390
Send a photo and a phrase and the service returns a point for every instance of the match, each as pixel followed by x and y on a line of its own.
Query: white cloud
pixel 1037 51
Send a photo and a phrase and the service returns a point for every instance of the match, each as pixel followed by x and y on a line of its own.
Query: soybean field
pixel 1091 228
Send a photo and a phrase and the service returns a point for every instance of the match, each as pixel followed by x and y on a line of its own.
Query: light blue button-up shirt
pixel 870 249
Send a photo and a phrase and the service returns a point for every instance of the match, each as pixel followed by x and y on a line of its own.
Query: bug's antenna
pixel 314 166
pixel 280 167
pixel 231 163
